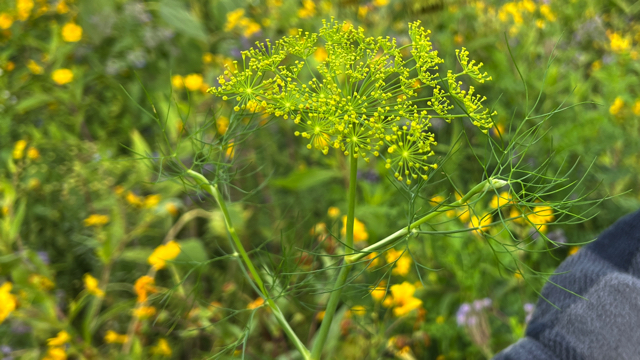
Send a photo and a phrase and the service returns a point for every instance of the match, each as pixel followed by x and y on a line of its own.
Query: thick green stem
pixel 334 298
pixel 215 192
pixel 396 236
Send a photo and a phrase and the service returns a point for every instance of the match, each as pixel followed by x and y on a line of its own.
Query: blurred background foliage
pixel 75 82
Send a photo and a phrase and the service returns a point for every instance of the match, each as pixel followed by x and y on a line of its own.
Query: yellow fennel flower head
pixel 8 301
pixel 233 19
pixel 71 32
pixel 134 199
pixel 55 353
pixel 255 303
pixel 6 21
pixel 402 261
pixel 617 105
pixel 222 124
pixel 636 107
pixel 112 337
pixel 96 220
pixel 546 11
pixel 544 213
pixel 359 229
pixel 62 76
pixel 364 96
pixel 91 284
pixel 162 348
pixel 35 68
pixel 374 260
pixel 380 3
pixel 163 253
pixel 308 9
pixel 61 338
pixel 618 43
pixel 193 82
pixel 333 212
pixel 403 299
pixel 177 81
pixel 18 149
pixel 379 291
pixel 23 8
pixel 143 287
pixel 144 312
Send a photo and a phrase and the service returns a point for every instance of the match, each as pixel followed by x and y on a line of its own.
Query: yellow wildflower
pixel 41 282
pixel 250 27
pixel 255 303
pixel 359 229
pixel 440 319
pixel 8 301
pixel 617 105
pixel 55 353
pixel 231 150
pixel 112 337
pixel 163 253
pixel 61 338
pixel 177 81
pixel 143 286
pixel 23 7
pixel 540 23
pixel 618 43
pixel 357 310
pixel 62 76
pixel 546 11
pixel 222 124
pixel 402 299
pixel 193 82
pixel 18 149
pixel 308 9
pixel 33 153
pixel 380 291
pixel 151 201
pixel 91 284
pixel 134 199
pixel 62 7
pixel 35 68
pixel 71 32
pixel 529 5
pixel 320 54
pixel 144 312
pixel 333 212
pixel 380 3
pixel 636 107
pixel 597 65
pixel 207 58
pixel 482 221
pixel 375 260
pixel 96 220
pixel 233 19
pixel 162 348
pixel 362 11
pixel 402 261
pixel 501 200
pixel 320 315
pixel 573 250
pixel 171 209
pixel 10 66
pixel 6 21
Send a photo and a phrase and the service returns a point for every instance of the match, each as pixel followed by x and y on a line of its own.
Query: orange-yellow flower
pixel 308 9
pixel 255 303
pixel 6 21
pixel 33 153
pixel 177 81
pixel 617 105
pixel 24 7
pixel 112 337
pixel 481 221
pixel 71 32
pixel 144 312
pixel 403 263
pixel 222 124
pixel 359 230
pixel 193 82
pixel 333 212
pixel 91 284
pixel 402 299
pixel 34 67
pixel 151 201
pixel 55 353
pixel 8 301
pixel 18 149
pixel 163 253
pixel 379 291
pixel 61 338
pixel 62 76
pixel 501 200
pixel 162 348
pixel 143 286
pixel 96 220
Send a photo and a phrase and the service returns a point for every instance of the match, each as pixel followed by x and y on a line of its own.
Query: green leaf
pixel 180 19
pixel 304 179
pixel 33 102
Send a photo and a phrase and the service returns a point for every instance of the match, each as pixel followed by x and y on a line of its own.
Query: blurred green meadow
pixel 106 254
